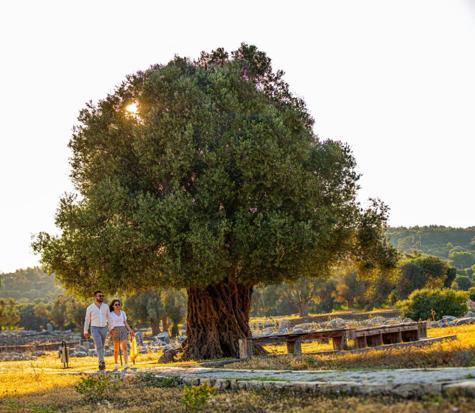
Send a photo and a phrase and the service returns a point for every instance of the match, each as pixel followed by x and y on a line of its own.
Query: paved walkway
pixel 403 382
pixel 395 376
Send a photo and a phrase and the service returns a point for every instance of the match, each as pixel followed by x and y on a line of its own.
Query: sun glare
pixel 132 108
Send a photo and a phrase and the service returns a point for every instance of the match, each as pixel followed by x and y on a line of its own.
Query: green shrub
pixel 426 304
pixel 97 388
pixel 152 380
pixel 462 282
pixel 196 397
pixel 471 293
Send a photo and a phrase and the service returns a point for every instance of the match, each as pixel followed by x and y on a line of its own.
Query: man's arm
pixel 87 322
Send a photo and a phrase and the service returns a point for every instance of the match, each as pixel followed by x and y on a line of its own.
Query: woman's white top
pixel 117 320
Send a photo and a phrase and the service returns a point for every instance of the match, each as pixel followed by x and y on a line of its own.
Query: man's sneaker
pixel 102 365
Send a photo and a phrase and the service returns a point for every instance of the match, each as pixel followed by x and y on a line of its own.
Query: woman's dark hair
pixel 111 306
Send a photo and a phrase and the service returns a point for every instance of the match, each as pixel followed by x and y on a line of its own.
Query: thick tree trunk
pixel 155 326
pixel 217 317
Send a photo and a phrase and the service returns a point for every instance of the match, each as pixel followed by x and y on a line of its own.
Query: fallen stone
pixel 284 325
pixel 304 327
pixel 336 323
pixel 163 337
pixel 376 320
pixel 464 388
pixel 168 355
pixel 465 320
pixel 78 354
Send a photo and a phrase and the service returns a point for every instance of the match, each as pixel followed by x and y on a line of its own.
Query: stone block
pixel 464 388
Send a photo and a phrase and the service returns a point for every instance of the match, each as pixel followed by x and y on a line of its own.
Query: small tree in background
pixel 29 320
pixel 424 304
pixel 463 283
pixel 57 312
pixel 352 288
pixel 147 307
pixel 175 308
pixel 9 313
pixel 420 272
pixel 462 259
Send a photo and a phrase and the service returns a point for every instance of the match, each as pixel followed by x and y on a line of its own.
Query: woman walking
pixel 119 331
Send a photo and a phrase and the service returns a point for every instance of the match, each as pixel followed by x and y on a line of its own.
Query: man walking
pixel 97 316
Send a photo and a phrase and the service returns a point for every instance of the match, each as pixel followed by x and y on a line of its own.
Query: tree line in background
pixel 433 257
pixel 31 299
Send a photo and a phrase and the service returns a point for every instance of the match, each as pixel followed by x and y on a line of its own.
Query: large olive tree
pixel 207 175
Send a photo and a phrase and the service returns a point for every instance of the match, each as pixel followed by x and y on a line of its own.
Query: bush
pixel 471 293
pixel 96 388
pixel 427 304
pixel 196 397
pixel 463 282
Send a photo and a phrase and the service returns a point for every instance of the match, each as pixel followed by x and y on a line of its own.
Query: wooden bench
pixel 388 334
pixel 294 341
pixel 362 337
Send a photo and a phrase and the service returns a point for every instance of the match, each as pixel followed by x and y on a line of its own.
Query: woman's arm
pixel 132 333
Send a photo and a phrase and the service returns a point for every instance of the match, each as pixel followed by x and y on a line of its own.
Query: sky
pixel 393 79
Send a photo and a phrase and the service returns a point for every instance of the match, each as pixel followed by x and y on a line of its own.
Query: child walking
pixel 119 331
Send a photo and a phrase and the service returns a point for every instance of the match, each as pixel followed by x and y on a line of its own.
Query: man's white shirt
pixel 96 317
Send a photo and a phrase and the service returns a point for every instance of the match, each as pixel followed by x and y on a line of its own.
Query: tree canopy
pixel 202 172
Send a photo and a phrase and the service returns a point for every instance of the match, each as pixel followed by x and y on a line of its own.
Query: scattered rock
pixel 168 355
pixel 304 327
pixel 376 320
pixel 268 324
pixel 336 323
pixel 284 325
pixel 465 388
pixel 163 337
pixel 78 354
pixel 16 357
pixel 465 320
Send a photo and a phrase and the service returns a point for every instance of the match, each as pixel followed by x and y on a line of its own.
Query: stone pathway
pixel 403 382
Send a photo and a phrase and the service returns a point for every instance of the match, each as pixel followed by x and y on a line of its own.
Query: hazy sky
pixel 394 79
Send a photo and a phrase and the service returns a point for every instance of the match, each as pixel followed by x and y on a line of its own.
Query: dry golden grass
pixel 40 387
pixel 51 363
pixel 18 378
pixel 134 398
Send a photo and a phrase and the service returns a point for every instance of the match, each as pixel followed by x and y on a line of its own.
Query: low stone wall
pixel 406 383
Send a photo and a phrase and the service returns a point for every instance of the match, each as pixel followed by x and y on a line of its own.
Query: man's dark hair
pixel 97 292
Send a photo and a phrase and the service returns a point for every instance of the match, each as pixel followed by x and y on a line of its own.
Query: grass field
pixel 39 387
pixel 133 397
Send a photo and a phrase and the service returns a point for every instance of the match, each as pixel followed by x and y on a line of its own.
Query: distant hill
pixel 29 284
pixel 433 240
